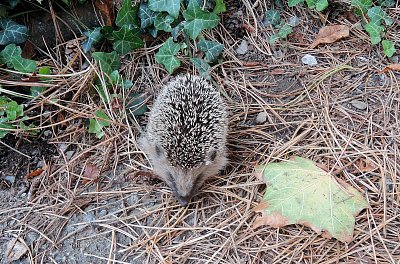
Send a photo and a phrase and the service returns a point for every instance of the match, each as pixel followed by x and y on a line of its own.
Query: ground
pixel 341 113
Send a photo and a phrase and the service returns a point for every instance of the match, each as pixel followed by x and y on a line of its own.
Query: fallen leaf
pixel 15 250
pixel 106 8
pixel 91 173
pixel 299 192
pixel 393 67
pixel 34 174
pixel 365 165
pixel 330 34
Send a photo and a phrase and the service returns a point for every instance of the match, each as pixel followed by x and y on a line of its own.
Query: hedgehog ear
pixel 211 155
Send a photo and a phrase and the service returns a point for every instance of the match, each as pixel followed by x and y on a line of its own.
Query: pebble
pixel 243 48
pixel 309 60
pixel 47 133
pixel 294 21
pixel 69 154
pixel 359 104
pixel 261 118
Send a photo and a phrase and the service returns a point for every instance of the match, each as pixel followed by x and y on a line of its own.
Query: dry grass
pixel 309 113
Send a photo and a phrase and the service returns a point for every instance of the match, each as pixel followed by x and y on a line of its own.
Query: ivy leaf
pixel 219 7
pixel 197 19
pixel 273 17
pixel 292 3
pixel 387 3
pixel 11 55
pixel 376 14
pixel 147 16
pixel 137 104
pixel 36 90
pixel 321 5
pixel 299 192
pixel 127 15
pixel 96 125
pixel 23 65
pixel 163 22
pixel 202 67
pixel 127 39
pixel 361 6
pixel 14 110
pixel 107 32
pixel 273 39
pixel 211 49
pixel 177 30
pixel 3 133
pixel 285 31
pixel 108 61
pixel 166 55
pixel 374 31
pixel 170 6
pixel 388 47
pixel 92 37
pixel 12 32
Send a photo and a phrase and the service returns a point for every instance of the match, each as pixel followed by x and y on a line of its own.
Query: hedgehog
pixel 185 137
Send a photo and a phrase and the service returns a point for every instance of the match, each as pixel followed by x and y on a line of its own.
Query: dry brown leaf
pixel 365 165
pixel 91 173
pixel 106 8
pixel 36 173
pixel 330 34
pixel 393 67
pixel 15 250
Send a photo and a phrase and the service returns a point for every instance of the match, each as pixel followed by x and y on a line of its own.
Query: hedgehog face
pixel 184 182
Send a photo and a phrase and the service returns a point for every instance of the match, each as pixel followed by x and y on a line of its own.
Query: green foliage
pixel 273 17
pixel 319 5
pixel 202 67
pixel 211 49
pixel 388 47
pixel 108 61
pixel 219 7
pixel 136 104
pixel 147 16
pixel 127 15
pixel 9 111
pixel 36 90
pixel 292 3
pixel 166 55
pixel 12 56
pixel 283 32
pixel 361 6
pixel 92 37
pixel 97 124
pixel 127 39
pixel 197 19
pixel 163 22
pixel 12 32
pixel 170 6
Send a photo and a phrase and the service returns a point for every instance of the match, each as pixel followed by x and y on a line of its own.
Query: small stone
pixel 47 133
pixel 294 21
pixel 243 47
pixel 309 60
pixel 69 154
pixel 261 118
pixel 63 147
pixel 9 178
pixel 394 59
pixel 359 104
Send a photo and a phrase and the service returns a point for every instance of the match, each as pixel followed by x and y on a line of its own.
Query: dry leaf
pixel 91 173
pixel 393 67
pixel 365 165
pixel 106 8
pixel 36 173
pixel 15 250
pixel 330 34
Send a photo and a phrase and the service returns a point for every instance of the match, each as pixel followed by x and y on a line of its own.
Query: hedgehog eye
pixel 212 155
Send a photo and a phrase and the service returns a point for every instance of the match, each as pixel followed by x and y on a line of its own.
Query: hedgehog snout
pixel 183 200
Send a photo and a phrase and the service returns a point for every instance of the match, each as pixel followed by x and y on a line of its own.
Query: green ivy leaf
pixel 374 31
pixel 219 7
pixel 127 15
pixel 11 55
pixel 10 51
pixel 361 5
pixel 14 110
pixel 388 47
pixel 387 3
pixel 177 30
pixel 31 129
pixel 292 3
pixel 170 6
pixel 376 15
pixel 211 49
pixel 147 16
pixel 321 5
pixel 96 125
pixel 12 32
pixel 136 104
pixel 163 22
pixel 23 65
pixel 92 37
pixel 202 67
pixel 36 90
pixel 166 55
pixel 108 61
pixel 197 19
pixel 3 133
pixel 273 39
pixel 285 31
pixel 107 32
pixel 127 39
pixel 273 17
